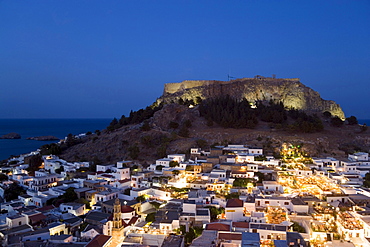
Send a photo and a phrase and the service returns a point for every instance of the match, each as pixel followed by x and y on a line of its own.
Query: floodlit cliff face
pixel 291 92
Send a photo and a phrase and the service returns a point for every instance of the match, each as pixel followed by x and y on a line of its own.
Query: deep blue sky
pixel 100 59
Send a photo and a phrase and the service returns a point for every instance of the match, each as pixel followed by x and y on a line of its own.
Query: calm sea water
pixel 41 127
pixel 364 121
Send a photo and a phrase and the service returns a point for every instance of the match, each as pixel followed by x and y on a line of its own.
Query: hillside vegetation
pixel 158 130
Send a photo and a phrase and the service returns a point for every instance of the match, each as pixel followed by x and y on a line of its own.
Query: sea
pixel 59 128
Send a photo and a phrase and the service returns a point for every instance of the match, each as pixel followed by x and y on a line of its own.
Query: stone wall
pixel 291 92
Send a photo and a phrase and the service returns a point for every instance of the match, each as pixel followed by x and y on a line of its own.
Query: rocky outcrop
pixel 12 135
pixel 43 138
pixel 291 92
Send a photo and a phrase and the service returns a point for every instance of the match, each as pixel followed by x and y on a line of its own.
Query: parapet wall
pixel 170 88
pixel 177 86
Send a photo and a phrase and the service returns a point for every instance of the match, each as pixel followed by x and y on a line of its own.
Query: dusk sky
pixel 100 59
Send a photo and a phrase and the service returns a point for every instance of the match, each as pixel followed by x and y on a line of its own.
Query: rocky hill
pixel 131 142
pixel 175 128
pixel 291 92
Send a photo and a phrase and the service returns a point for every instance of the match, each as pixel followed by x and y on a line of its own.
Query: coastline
pixel 27 128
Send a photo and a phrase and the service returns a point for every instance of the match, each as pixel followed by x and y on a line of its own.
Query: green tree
pixel 336 121
pixel 173 125
pixel 352 120
pixel 34 164
pixel 232 195
pixel 175 172
pixel 3 177
pixel 242 182
pixel 53 148
pixel 13 191
pixel 366 182
pixel 214 212
pixel 150 217
pixel 189 168
pixel 174 163
pixel 260 158
pixel 127 191
pixel 156 205
pixel 189 236
pixel 71 140
pixel 141 198
pixel 113 125
pixel 193 233
pixel 261 176
pixel 159 167
pixel 198 231
pixel 134 168
pixel 70 195
pixel 84 201
pixel 298 228
pixel 59 170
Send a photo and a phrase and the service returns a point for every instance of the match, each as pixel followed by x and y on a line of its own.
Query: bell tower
pixel 117 221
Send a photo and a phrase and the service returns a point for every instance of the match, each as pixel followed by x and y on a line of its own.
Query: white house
pixel 359 156
pixel 41 234
pixel 258 151
pixel 122 173
pixel 73 208
pixel 216 175
pixel 106 195
pixel 44 182
pixel 300 173
pixel 236 148
pixel 269 231
pixel 244 158
pixel 90 232
pixel 202 215
pixel 274 201
pixel 57 228
pixel 189 206
pixel 272 186
pixel 163 162
pixel 234 210
pixel 136 180
pixel 16 220
pixel 176 157
pixel 104 168
pixel 26 199
pixel 151 192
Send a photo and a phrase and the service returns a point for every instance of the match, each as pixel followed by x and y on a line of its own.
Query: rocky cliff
pixel 291 92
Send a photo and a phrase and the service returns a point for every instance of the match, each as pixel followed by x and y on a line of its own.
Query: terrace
pixel 276 215
pixel 348 221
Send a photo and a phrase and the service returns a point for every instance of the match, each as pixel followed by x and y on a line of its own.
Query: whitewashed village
pixel 227 196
